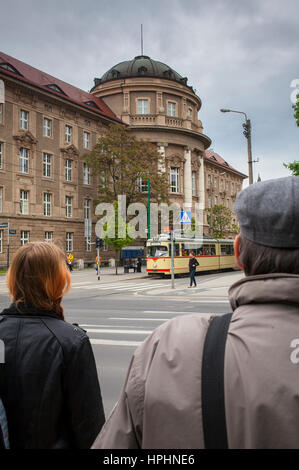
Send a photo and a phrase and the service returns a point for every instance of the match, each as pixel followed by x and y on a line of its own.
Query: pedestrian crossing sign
pixel 185 217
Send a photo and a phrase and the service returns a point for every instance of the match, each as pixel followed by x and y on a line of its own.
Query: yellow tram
pixel 212 254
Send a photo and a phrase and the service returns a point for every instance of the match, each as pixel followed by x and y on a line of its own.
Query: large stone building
pixel 159 106
pixel 46 189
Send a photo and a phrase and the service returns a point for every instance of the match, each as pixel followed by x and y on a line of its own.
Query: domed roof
pixel 141 66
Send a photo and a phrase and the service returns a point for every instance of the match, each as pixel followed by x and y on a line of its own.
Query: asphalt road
pixel 118 314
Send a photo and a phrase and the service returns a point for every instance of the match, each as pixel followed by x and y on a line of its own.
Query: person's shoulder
pixel 68 334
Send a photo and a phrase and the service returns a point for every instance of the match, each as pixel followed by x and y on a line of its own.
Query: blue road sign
pixel 12 232
pixel 185 217
pixel 3 225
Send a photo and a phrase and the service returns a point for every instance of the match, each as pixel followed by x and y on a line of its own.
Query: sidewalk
pixel 107 275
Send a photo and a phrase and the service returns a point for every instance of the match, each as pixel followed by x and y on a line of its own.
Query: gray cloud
pixel 236 54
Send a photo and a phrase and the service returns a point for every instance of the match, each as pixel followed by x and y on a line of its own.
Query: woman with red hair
pixel 48 383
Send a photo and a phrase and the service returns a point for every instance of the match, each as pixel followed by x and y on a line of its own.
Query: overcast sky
pixel 237 54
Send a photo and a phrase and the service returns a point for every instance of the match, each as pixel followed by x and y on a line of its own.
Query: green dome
pixel 141 66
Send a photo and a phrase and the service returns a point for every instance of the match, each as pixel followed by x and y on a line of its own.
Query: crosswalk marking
pixel 120 287
pixel 161 320
pixel 110 342
pixel 116 332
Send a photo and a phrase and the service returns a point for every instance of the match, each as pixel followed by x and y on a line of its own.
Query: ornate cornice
pixel 70 151
pixel 25 139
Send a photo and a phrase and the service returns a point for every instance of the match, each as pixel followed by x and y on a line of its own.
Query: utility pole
pixel 7 261
pixel 172 255
pixel 148 208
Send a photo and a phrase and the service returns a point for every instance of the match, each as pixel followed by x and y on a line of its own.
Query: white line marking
pixel 108 342
pixel 115 332
pixel 139 319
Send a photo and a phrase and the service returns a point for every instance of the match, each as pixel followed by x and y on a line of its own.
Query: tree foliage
pixel 296 112
pixel 293 167
pixel 220 222
pixel 120 161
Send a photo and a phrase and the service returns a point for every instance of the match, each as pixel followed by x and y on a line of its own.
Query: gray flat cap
pixel 268 212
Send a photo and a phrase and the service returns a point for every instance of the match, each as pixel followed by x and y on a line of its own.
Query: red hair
pixel 38 275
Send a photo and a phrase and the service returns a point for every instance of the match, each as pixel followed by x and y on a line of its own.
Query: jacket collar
pixel 265 288
pixel 27 309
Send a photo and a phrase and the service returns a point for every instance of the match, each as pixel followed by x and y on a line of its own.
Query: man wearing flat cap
pixel 164 402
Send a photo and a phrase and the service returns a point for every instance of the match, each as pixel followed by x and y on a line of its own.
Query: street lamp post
pixel 247 133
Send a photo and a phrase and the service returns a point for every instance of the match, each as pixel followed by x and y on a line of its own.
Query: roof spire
pixel 141 40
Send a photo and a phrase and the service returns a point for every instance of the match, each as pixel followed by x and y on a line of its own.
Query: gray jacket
pixel 160 403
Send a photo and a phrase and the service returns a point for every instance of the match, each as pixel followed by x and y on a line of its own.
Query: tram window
pixel 157 251
pixel 227 249
pixel 186 251
pixel 176 249
pixel 209 250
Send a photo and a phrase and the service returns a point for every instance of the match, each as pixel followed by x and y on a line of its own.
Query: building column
pixel 187 179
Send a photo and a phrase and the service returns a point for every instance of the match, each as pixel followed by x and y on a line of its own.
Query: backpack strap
pixel 213 404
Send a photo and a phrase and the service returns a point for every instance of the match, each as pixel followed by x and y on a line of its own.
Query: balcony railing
pixel 173 122
pixel 141 119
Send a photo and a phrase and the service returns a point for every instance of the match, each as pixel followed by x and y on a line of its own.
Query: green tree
pixel 220 222
pixel 296 111
pixel 117 225
pixel 293 167
pixel 124 165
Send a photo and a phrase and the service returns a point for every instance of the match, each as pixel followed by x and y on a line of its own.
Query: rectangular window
pixel 86 174
pixel 47 204
pixel 47 165
pixel 68 133
pixel 24 202
pixel 68 170
pixel 87 209
pixel 215 182
pixel 143 107
pixel 193 183
pixel 1 241
pixel 190 113
pixel 174 180
pixel 69 242
pixel 233 188
pixel 68 206
pixel 86 140
pixel 227 203
pixel 1 199
pixel 47 127
pixel 226 186
pixel 1 113
pixel 142 185
pixel 105 247
pixel 24 118
pixel 209 202
pixel 216 200
pixel 171 109
pixel 1 154
pixel 24 237
pixel 24 160
pixel 48 236
pixel 209 181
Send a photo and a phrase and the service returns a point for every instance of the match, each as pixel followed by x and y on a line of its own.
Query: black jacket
pixel 48 383
pixel 193 263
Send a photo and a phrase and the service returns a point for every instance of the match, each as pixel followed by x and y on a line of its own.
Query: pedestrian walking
pixel 193 263
pixel 48 384
pixel 201 381
pixel 139 262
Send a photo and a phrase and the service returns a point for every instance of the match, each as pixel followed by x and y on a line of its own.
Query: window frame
pixel 24 202
pixel 48 239
pixel 69 240
pixel 69 207
pixel 47 165
pixel 47 204
pixel 24 160
pixel 176 174
pixel 68 170
pixel 24 240
pixel 140 109
pixel 86 174
pixel 86 141
pixel 46 128
pixel 68 135
pixel 24 123
pixel 171 109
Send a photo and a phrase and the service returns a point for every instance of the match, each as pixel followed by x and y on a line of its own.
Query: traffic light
pixel 246 130
pixel 99 242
